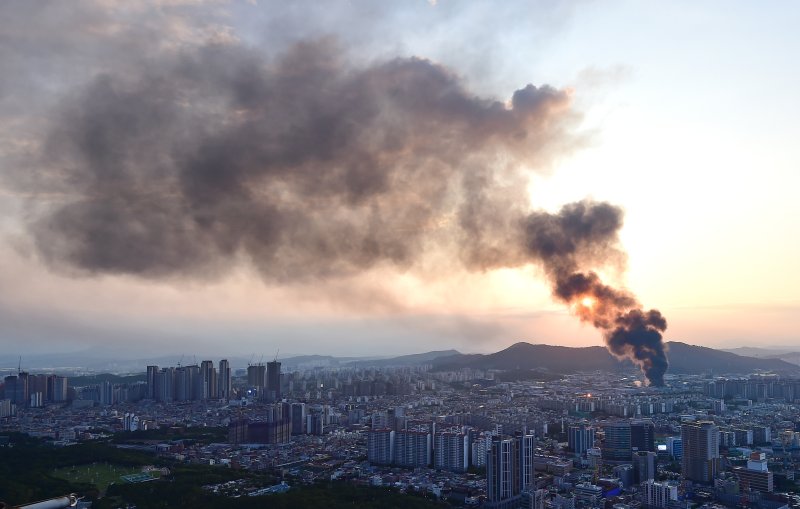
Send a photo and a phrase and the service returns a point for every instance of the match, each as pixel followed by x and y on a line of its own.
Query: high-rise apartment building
pixel 527 470
pixel 502 473
pixel 315 423
pixel 580 439
pixel 208 380
pixel 60 388
pixel 256 376
pixel 23 393
pixel 625 474
pixel 6 408
pixel 451 451
pixel 10 388
pixel 107 393
pixel 644 466
pixel 274 381
pixel 17 389
pixel 675 447
pixel 184 386
pixel 151 381
pixel 380 446
pixel 743 437
pixel 617 443
pixel 192 382
pixel 657 495
pixel 38 384
pixel 643 435
pixel 165 385
pixel 480 448
pixel 413 448
pixel 762 434
pixel 186 383
pixel 509 470
pixel 275 428
pixel 700 462
pixel 380 419
pixel 225 381
pixel 298 418
pixel 237 431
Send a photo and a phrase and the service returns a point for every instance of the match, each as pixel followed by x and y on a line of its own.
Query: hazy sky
pixel 684 114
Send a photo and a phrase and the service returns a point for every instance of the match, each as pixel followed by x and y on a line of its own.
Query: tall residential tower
pixel 700 462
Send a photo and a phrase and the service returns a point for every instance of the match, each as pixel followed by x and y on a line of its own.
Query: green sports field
pixel 99 474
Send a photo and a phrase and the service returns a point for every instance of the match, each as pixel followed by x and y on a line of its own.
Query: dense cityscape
pixel 409 254
pixel 466 437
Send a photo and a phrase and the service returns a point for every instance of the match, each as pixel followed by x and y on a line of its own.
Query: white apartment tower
pixel 657 495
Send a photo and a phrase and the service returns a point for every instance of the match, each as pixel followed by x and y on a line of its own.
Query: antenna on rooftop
pixel 276 354
pixel 180 361
pixel 19 367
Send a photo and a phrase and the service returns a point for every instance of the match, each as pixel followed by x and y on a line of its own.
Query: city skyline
pixel 491 254
pixel 490 438
pixel 670 129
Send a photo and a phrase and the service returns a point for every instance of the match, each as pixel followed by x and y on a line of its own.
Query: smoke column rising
pixel 586 235
pixel 307 166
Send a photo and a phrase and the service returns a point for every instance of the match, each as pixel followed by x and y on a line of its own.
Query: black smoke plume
pixel 637 335
pixel 309 166
pixel 586 235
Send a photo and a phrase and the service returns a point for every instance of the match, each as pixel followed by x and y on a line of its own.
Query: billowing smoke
pixel 308 166
pixel 637 335
pixel 586 235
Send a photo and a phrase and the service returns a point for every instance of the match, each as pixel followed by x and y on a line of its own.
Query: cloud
pixel 305 165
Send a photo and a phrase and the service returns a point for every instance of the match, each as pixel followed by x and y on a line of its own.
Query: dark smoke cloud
pixel 306 165
pixel 637 336
pixel 586 235
pixel 310 167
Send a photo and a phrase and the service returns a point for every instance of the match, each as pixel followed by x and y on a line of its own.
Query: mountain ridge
pixel 684 359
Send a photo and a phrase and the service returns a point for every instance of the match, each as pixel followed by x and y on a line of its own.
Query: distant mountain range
pixel 521 357
pixel 683 358
pixel 768 353
pixel 409 360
